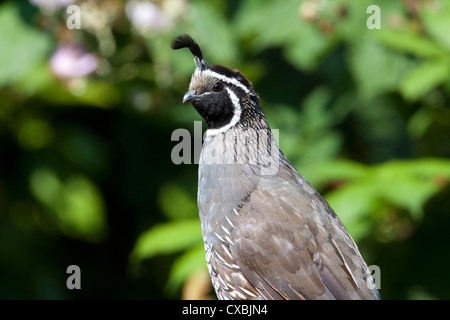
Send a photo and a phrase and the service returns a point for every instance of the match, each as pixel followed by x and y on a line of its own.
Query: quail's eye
pixel 217 87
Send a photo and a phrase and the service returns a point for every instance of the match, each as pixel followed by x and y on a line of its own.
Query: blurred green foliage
pixel 86 176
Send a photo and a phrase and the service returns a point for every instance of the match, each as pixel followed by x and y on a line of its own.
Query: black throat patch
pixel 217 109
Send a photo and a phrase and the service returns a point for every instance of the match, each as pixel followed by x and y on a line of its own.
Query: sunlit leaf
pixel 375 68
pixel 189 262
pixel 437 22
pixel 336 171
pixel 409 42
pixel 283 18
pixel 34 133
pixel 167 238
pixel 419 122
pixel 176 203
pixel 23 47
pixel 84 212
pixel 211 27
pixel 404 184
pixel 353 203
pixel 307 50
pixel 425 77
pixel 75 202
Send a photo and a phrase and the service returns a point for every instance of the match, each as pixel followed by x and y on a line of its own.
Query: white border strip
pixel 223 78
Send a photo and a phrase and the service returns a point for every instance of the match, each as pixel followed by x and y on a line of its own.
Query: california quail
pixel 268 233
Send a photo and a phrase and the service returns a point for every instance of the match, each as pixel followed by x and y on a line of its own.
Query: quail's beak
pixel 190 96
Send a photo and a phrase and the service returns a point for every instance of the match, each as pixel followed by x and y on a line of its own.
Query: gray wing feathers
pixel 285 241
pixel 296 255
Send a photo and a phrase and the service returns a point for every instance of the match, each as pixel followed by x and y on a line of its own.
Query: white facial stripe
pixel 223 78
pixel 233 121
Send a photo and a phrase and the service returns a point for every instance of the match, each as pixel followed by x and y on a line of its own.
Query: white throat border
pixel 236 116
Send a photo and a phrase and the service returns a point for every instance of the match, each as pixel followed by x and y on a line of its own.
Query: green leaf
pixel 424 78
pixel 99 94
pixel 176 203
pixel 34 133
pixel 375 68
pixel 83 91
pixel 189 262
pixel 353 203
pixel 282 17
pixel 336 170
pixel 23 47
pixel 410 42
pixel 75 202
pixel 315 115
pixel 84 212
pixel 405 185
pixel 167 238
pixel 304 44
pixel 321 149
pixel 436 20
pixel 308 48
pixel 212 31
pixel 431 167
pixel 396 184
pixel 419 122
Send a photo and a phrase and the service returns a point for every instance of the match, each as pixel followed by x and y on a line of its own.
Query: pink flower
pixel 146 16
pixel 72 61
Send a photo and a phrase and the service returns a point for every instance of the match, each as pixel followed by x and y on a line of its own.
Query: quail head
pixel 268 233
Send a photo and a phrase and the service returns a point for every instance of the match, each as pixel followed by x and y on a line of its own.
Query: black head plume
pixel 186 41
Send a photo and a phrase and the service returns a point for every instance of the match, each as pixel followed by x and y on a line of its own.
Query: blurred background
pixel 90 93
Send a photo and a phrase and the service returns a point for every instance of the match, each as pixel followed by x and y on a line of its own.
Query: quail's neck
pixel 250 146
